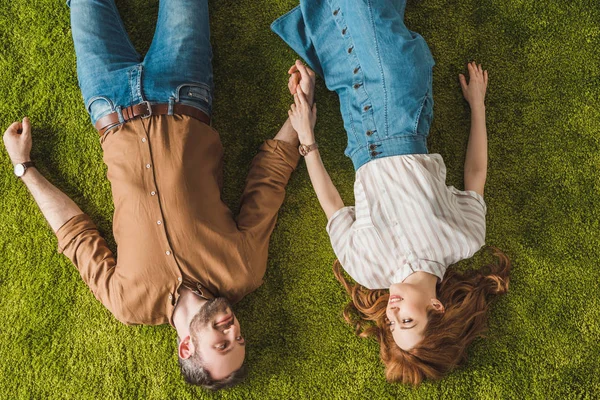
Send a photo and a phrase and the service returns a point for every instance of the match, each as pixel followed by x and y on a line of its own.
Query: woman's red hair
pixel 466 298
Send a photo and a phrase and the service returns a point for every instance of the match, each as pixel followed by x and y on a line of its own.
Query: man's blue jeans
pixel 111 73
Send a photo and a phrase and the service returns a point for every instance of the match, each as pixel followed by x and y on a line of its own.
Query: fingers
pixel 463 81
pixel 293 68
pixel 293 82
pixel 14 128
pixel 314 109
pixel 471 69
pixel 485 77
pixel 297 101
pixel 303 70
pixel 26 127
pixel 301 96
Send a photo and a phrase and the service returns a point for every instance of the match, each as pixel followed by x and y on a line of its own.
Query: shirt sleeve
pixel 473 210
pixel 80 241
pixel 339 228
pixel 263 195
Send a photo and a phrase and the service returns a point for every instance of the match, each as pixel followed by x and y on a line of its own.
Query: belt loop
pixel 119 112
pixel 170 109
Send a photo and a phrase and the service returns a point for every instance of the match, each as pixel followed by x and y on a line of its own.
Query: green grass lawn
pixel 57 341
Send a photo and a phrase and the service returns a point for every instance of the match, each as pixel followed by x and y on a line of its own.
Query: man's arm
pixel 77 235
pixel 56 206
pixel 476 159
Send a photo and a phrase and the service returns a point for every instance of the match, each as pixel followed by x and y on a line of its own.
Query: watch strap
pixel 304 149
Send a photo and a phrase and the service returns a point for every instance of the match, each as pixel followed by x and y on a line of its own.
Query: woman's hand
pixel 303 117
pixel 17 140
pixel 303 77
pixel 474 91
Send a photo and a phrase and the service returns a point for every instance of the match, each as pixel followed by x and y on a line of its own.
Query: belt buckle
pixel 149 108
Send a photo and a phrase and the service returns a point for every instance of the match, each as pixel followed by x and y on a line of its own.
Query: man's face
pixel 217 338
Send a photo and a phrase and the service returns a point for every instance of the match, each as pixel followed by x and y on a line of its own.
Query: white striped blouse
pixel 405 220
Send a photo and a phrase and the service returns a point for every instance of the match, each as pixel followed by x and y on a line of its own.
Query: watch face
pixel 19 170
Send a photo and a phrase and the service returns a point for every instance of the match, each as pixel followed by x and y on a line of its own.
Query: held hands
pixel 17 140
pixel 303 117
pixel 474 91
pixel 303 77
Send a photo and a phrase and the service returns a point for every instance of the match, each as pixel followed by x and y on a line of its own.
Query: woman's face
pixel 407 314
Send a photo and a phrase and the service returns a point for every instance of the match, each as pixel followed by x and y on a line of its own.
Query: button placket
pixel 361 96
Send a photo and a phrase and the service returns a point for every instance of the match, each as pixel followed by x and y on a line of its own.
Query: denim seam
pixel 385 95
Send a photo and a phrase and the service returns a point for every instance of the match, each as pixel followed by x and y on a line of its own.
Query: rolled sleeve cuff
pixel 73 228
pixel 288 152
pixel 343 210
pixel 479 198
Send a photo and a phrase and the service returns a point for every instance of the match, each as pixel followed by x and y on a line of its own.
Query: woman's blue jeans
pixel 111 73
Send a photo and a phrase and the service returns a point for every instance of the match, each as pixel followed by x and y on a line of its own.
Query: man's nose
pixel 231 328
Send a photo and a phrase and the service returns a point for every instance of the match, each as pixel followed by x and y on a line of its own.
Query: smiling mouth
pixel 395 298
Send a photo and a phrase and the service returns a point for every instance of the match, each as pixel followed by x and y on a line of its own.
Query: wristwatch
pixel 304 149
pixel 20 169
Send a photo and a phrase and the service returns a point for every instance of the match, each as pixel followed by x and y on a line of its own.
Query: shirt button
pixel 350 50
pixel 356 85
pixel 179 279
pixel 369 133
pixel 147 165
pixel 366 108
pixel 336 12
pixel 153 193
pixel 356 70
pixel 344 31
pixel 168 252
pixel 170 296
pixel 373 153
pixel 143 140
pixel 158 222
pixel 373 146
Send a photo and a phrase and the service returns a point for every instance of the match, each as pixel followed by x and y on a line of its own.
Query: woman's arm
pixel 476 159
pixel 303 118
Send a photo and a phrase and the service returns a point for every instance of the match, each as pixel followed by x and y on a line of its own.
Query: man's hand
pixel 474 91
pixel 303 117
pixel 17 140
pixel 303 77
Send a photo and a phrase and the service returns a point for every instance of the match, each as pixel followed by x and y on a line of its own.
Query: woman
pixel 407 226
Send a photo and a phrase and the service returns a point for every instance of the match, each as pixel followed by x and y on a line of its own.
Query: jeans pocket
pixel 193 92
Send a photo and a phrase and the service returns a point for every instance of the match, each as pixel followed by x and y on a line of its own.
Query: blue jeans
pixel 111 73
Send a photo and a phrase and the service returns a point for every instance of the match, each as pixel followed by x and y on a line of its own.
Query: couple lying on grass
pixel 184 258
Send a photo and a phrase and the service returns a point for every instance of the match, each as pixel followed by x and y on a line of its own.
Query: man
pixel 182 257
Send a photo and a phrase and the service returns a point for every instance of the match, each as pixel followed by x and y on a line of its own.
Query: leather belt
pixel 145 110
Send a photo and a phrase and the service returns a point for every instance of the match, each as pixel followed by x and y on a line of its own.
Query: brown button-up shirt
pixel 170 224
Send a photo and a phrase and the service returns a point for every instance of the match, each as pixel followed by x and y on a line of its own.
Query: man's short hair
pixel 195 373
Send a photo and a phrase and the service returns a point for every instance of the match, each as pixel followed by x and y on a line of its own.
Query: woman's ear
pixel 186 348
pixel 436 304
